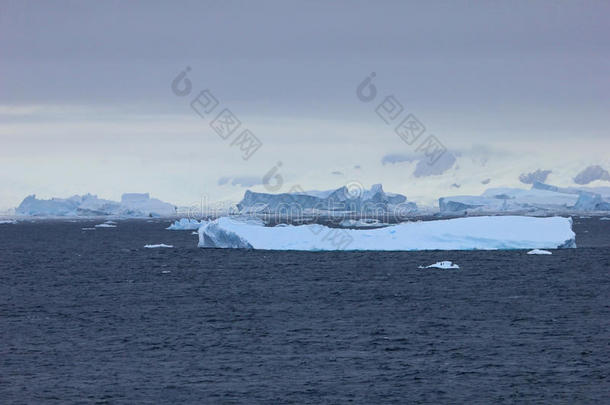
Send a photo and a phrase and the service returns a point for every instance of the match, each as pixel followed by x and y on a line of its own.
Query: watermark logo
pixel 354 190
pixel 367 91
pixel 248 143
pixel 226 122
pixel 181 85
pixel 409 129
pixel 273 180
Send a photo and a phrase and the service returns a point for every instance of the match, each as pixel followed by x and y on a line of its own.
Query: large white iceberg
pixel 497 232
pixel 131 205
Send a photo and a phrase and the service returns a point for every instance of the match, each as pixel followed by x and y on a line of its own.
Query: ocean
pixel 93 317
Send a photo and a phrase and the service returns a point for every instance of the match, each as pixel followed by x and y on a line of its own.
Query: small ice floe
pixel 185 224
pixel 539 252
pixel 362 223
pixel 441 265
pixel 165 271
pixel 7 221
pixel 194 233
pixel 160 245
pixel 105 225
pixel 604 219
pixel 87 229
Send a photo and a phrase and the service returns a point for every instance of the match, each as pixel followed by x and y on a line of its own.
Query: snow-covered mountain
pixel 131 205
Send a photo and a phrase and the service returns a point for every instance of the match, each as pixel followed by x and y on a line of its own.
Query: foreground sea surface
pixel 91 316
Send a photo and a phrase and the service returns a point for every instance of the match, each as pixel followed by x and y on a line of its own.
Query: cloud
pixel 486 181
pixel 538 175
pixel 592 173
pixel 242 181
pixel 246 181
pixel 444 163
pixel 392 158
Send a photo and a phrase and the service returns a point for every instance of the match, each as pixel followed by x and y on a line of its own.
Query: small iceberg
pixel 185 224
pixel 160 245
pixel 105 225
pixel 441 265
pixel 362 223
pixel 539 252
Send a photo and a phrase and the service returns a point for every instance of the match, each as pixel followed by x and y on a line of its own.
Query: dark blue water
pixel 91 316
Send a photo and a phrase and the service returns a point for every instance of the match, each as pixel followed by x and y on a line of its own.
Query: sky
pixel 91 99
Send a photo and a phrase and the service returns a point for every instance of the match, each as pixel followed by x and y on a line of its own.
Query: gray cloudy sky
pixel 86 104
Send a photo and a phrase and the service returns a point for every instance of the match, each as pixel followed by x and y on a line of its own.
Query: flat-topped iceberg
pixel 131 205
pixel 497 232
pixel 326 203
pixel 541 198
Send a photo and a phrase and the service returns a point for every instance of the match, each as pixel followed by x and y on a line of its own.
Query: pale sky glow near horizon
pixel 86 100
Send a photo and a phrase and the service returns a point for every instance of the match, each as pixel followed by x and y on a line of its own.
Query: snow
pixel 539 252
pixel 131 205
pixel 441 265
pixel 160 245
pixel 485 232
pixel 185 224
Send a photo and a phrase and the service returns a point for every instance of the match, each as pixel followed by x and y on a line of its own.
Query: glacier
pixel 484 232
pixel 131 205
